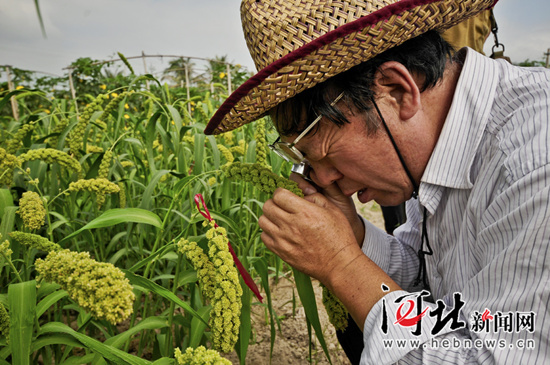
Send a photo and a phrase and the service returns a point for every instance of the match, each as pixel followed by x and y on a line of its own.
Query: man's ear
pixel 393 82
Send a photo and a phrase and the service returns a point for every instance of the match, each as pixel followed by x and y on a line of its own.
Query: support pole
pixel 71 86
pixel 547 54
pixel 14 105
pixel 145 68
pixel 229 90
pixel 187 86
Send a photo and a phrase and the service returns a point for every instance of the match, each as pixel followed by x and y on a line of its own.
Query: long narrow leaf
pixel 307 297
pixel 40 20
pixel 117 341
pixel 261 267
pixel 50 300
pixel 117 216
pixel 108 352
pixel 159 290
pixel 159 252
pixel 164 361
pixel 149 323
pixel 198 327
pixel 79 360
pixel 199 154
pixel 245 329
pixel 54 339
pixel 8 222
pixel 6 200
pixel 147 198
pixel 22 302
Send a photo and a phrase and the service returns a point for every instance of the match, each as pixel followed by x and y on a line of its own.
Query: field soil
pixel 291 343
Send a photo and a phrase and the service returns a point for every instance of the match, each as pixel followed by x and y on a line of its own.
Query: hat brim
pixel 335 52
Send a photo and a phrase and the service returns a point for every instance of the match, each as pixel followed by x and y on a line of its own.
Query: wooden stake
pixel 145 68
pixel 14 105
pixel 73 92
pixel 187 87
pixel 229 91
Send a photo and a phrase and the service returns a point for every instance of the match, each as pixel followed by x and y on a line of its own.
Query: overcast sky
pixel 202 28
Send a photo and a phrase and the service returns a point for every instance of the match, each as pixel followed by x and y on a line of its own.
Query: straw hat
pixel 297 44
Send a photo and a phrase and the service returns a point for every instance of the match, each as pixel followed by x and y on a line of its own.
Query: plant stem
pixel 8 260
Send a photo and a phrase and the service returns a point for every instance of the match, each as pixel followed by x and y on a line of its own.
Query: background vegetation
pixel 147 145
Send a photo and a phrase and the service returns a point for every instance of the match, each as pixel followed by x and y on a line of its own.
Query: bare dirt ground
pixel 291 343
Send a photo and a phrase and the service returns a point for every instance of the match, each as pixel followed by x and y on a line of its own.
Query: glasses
pixel 287 150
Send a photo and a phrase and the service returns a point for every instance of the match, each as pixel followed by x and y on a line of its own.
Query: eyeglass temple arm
pixel 316 120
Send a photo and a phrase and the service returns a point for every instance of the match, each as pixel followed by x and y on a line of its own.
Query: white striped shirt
pixel 486 188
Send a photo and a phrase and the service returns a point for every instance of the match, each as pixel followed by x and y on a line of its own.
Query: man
pixel 376 102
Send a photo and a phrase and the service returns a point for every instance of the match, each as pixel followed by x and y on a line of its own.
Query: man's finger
pixel 288 201
pixel 318 199
pixel 307 187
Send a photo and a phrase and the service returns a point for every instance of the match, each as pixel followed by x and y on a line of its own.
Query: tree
pixel 175 72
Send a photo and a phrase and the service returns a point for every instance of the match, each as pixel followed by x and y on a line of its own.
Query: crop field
pixel 116 213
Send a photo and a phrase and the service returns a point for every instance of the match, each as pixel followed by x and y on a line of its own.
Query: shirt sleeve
pixel 504 314
pixel 396 255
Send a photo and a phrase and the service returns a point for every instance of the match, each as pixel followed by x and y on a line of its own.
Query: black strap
pixel 415 186
pixel 422 275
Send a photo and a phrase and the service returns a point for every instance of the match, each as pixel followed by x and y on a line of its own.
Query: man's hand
pixel 310 234
pixel 338 199
pixel 313 236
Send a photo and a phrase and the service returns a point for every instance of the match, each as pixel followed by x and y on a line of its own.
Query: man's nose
pixel 324 174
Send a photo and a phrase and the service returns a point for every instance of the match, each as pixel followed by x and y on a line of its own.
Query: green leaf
pixel 245 329
pixel 164 361
pixel 260 265
pixel 146 201
pixel 119 340
pixel 40 20
pixel 150 136
pixel 54 339
pixel 79 360
pixel 7 97
pixel 176 117
pixel 160 252
pixel 147 284
pixel 187 277
pixel 115 216
pixel 6 200
pixel 199 154
pixel 215 152
pixel 307 297
pixel 198 327
pixel 108 352
pixel 22 303
pixel 49 301
pixel 149 323
pixel 8 221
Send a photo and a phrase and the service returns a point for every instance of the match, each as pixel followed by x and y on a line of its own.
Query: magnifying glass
pixel 303 169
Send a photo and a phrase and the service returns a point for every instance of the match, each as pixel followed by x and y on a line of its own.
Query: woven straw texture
pixel 299 43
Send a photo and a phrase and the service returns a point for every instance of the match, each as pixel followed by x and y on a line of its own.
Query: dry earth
pixel 291 343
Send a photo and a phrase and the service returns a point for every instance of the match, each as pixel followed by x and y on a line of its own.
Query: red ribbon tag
pixel 246 276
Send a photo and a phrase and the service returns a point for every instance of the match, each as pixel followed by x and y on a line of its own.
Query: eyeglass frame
pixel 290 145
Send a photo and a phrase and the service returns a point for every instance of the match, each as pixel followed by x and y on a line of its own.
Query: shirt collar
pixel 451 161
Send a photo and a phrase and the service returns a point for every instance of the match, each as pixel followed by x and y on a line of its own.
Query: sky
pixel 199 28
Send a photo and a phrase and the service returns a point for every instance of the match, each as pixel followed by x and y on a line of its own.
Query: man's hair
pixel 425 55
